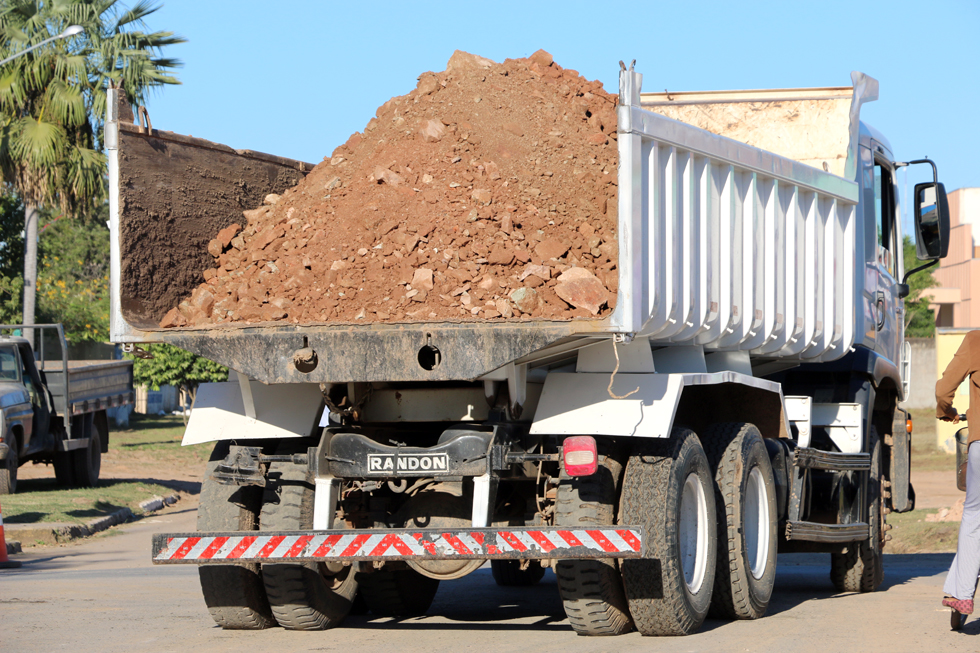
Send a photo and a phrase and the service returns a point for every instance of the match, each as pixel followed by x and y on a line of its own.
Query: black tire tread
pixel 508 573
pixel 234 594
pixel 397 592
pixel 732 596
pixel 592 590
pixel 654 584
pixel 87 462
pixel 298 595
pixel 8 470
pixel 861 567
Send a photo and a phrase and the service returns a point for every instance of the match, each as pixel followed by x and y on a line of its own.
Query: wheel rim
pixel 755 523
pixel 693 533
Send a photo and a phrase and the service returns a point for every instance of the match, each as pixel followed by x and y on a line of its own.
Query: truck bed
pixel 721 244
pixel 93 385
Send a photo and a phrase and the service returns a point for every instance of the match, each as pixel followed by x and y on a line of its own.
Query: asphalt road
pixel 104 595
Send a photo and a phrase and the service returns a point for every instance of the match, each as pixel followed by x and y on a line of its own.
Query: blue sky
pixel 296 80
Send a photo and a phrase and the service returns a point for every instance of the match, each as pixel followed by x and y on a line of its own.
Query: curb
pixel 50 534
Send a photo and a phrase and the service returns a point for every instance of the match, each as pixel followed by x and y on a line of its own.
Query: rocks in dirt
pixel 444 208
pixel 948 514
pixel 582 289
pixel 526 300
pixel 432 131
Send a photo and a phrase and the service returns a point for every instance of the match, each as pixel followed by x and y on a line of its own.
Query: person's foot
pixel 963 606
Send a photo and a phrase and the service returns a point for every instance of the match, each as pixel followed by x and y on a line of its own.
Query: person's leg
pixel 961 581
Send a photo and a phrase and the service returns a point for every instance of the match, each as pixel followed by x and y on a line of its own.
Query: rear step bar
pixel 830 533
pixel 398 544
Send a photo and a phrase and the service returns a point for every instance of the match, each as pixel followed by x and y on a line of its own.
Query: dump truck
pixel 52 409
pixel 740 400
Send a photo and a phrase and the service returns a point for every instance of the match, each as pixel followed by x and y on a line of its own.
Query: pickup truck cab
pixel 54 411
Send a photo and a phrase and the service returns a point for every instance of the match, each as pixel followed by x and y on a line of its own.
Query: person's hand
pixel 952 415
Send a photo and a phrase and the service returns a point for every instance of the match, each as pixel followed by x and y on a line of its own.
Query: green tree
pixel 173 366
pixel 53 102
pixel 73 276
pixel 11 258
pixel 920 322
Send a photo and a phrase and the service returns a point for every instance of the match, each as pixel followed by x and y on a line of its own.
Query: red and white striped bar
pixel 391 544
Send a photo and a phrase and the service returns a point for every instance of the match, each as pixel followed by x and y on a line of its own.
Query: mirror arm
pixel 935 173
pixel 903 288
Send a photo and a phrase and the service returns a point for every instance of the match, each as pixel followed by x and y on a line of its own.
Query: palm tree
pixel 53 102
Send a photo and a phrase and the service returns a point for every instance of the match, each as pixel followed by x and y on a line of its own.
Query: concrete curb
pixel 50 534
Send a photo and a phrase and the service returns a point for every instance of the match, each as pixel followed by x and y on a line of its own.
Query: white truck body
pixel 754 289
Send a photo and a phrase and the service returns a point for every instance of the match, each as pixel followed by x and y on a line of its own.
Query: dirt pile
pixel 488 192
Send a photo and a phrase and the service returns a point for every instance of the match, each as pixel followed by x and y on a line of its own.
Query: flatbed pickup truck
pixel 49 416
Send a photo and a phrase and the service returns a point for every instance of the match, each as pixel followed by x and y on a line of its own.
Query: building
pixel 957 299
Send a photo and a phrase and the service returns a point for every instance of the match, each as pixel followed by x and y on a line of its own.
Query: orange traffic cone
pixel 5 562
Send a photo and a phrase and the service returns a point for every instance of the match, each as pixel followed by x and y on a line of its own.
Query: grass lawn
pixel 925 455
pixel 151 445
pixel 42 500
pixel 156 438
pixel 911 532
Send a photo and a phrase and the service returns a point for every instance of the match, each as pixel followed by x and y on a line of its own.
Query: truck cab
pixel 25 406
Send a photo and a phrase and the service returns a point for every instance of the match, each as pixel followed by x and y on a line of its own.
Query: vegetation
pixel 920 322
pixel 53 104
pixel 42 500
pixel 173 366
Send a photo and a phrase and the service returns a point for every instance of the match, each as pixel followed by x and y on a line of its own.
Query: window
pixel 8 365
pixel 885 218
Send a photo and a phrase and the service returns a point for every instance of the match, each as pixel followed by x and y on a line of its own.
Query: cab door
pixel 889 309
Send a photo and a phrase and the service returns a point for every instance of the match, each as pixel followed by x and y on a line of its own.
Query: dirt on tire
pixel 488 192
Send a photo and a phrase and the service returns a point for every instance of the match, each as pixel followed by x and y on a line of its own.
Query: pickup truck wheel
pixel 508 573
pixel 745 498
pixel 234 594
pixel 397 592
pixel 303 596
pixel 861 567
pixel 87 462
pixel 669 491
pixel 592 590
pixel 8 470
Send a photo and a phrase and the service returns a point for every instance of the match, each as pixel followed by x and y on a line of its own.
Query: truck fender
pixel 648 404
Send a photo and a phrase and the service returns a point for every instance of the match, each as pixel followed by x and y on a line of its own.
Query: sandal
pixel 959 610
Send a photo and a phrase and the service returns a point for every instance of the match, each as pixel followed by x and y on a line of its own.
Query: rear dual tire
pixel 668 490
pixel 235 594
pixel 745 496
pixel 303 596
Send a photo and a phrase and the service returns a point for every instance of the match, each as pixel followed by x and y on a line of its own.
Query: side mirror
pixel 931 221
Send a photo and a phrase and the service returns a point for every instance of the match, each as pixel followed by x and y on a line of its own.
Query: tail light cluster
pixel 579 455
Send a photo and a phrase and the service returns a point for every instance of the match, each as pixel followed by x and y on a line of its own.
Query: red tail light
pixel 579 455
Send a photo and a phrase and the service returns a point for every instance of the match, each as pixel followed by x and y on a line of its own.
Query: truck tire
pixel 87 462
pixel 745 498
pixel 397 592
pixel 668 490
pixel 234 594
pixel 592 590
pixel 508 573
pixel 8 470
pixel 861 567
pixel 303 596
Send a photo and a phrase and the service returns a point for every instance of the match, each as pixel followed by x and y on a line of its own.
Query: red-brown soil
pixel 488 192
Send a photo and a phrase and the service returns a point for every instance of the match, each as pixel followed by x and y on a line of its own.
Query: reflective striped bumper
pixel 392 544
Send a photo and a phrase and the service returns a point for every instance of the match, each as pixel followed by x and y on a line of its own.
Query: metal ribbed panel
pixel 729 246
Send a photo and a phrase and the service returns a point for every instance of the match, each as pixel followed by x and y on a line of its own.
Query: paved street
pixel 104 595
